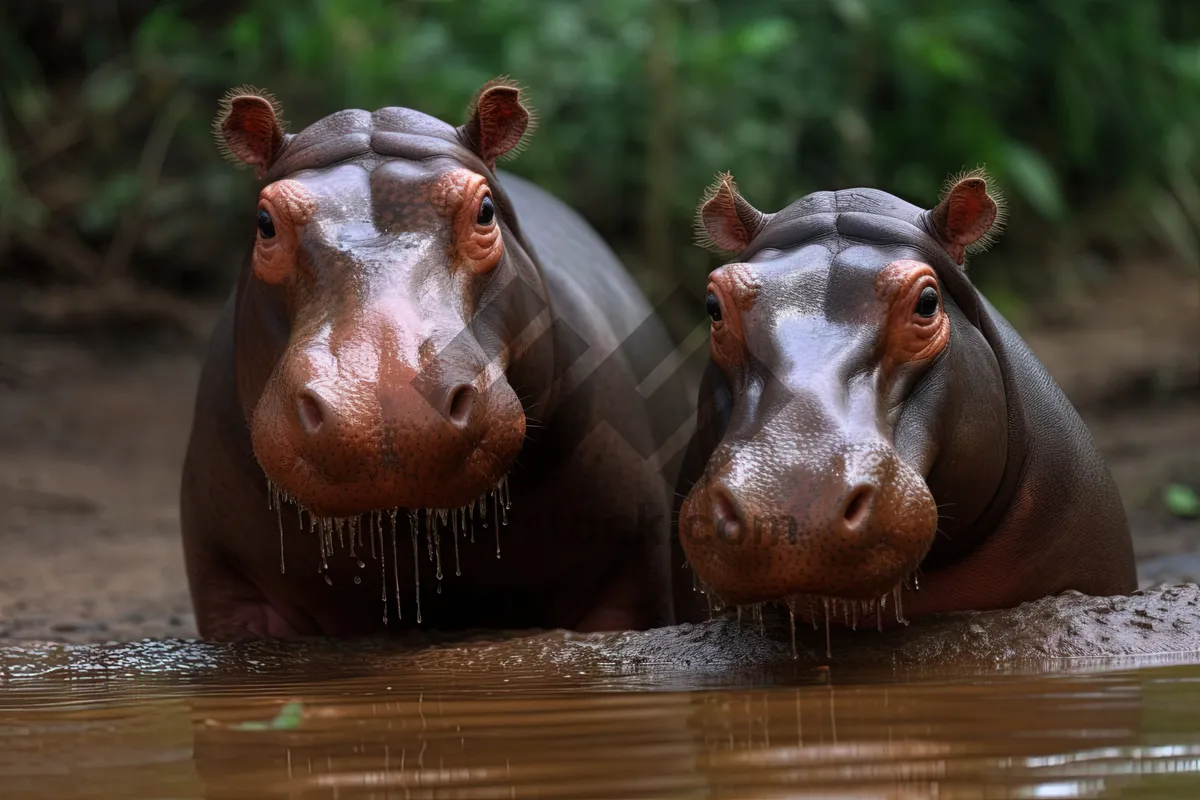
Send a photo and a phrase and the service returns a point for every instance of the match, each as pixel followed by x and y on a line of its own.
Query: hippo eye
pixel 487 212
pixel 713 307
pixel 927 303
pixel 265 226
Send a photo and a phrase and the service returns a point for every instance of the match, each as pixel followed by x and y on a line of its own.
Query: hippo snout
pixel 343 445
pixel 732 521
pixel 850 525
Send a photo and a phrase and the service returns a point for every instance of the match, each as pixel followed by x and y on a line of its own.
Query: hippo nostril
pixel 858 507
pixel 726 518
pixel 461 401
pixel 309 411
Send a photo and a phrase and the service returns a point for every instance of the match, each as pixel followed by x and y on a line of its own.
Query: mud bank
pixel 1069 633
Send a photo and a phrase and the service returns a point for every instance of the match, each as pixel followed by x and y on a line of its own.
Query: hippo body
pixel 874 439
pixel 338 483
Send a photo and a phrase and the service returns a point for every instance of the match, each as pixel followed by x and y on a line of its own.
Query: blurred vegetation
pixel 1087 112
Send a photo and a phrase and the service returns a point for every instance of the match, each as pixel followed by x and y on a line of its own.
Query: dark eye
pixel 713 307
pixel 265 226
pixel 486 212
pixel 927 303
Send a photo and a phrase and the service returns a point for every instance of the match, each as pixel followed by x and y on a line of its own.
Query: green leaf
pixel 288 717
pixel 1181 501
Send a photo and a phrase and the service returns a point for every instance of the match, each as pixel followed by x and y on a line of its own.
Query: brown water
pixel 564 717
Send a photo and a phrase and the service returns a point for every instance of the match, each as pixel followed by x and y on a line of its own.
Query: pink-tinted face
pixel 806 494
pixel 384 396
pixel 821 334
pixel 380 241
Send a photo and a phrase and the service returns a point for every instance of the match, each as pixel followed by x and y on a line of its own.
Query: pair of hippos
pixel 421 406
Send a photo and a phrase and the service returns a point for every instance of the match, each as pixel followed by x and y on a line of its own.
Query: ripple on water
pixel 714 710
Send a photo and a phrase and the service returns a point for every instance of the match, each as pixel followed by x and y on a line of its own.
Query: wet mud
pixel 1066 633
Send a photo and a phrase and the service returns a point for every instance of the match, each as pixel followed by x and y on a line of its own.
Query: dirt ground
pixel 94 418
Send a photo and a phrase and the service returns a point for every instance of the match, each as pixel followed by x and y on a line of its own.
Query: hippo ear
pixel 725 221
pixel 249 130
pixel 970 215
pixel 498 122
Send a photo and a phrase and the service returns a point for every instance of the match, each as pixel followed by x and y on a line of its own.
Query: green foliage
pixel 1182 501
pixel 1086 111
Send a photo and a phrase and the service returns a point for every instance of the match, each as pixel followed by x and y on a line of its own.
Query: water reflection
pixel 452 723
pixel 1002 738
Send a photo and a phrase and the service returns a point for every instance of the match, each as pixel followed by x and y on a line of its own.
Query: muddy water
pixel 717 710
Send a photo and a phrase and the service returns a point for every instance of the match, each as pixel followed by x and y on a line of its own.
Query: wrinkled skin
pixel 872 430
pixel 396 343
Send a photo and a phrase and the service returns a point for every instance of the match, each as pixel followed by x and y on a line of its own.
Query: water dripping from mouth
pixel 438 522
pixel 791 607
pixel 395 566
pixel 454 525
pixel 376 525
pixel 274 494
pixel 899 608
pixel 322 564
pixel 377 528
pixel 429 534
pixel 506 503
pixel 412 518
pixel 496 515
pixel 326 527
pixel 828 649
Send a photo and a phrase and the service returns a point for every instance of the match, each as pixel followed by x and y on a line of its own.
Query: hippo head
pixel 373 330
pixel 844 340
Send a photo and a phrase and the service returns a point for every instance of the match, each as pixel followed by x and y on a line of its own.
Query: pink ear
pixel 248 129
pixel 725 221
pixel 968 215
pixel 497 121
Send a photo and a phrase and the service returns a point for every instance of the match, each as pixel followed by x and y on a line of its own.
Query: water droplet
pixel 412 518
pixel 454 522
pixel 792 620
pixel 828 649
pixel 495 494
pixel 382 564
pixel 396 568
pixel 437 549
pixel 279 517
pixel 376 526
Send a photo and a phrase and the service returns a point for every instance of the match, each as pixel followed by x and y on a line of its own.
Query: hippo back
pixel 577 265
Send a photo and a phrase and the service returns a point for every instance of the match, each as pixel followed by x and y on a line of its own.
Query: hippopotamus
pixel 418 354
pixel 874 439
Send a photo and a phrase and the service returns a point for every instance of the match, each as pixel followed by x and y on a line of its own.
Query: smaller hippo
pixel 872 431
pixel 422 349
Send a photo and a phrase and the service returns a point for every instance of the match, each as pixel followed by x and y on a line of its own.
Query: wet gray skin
pixel 874 440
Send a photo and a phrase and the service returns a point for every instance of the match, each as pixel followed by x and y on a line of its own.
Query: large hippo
pixel 874 439
pixel 399 418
